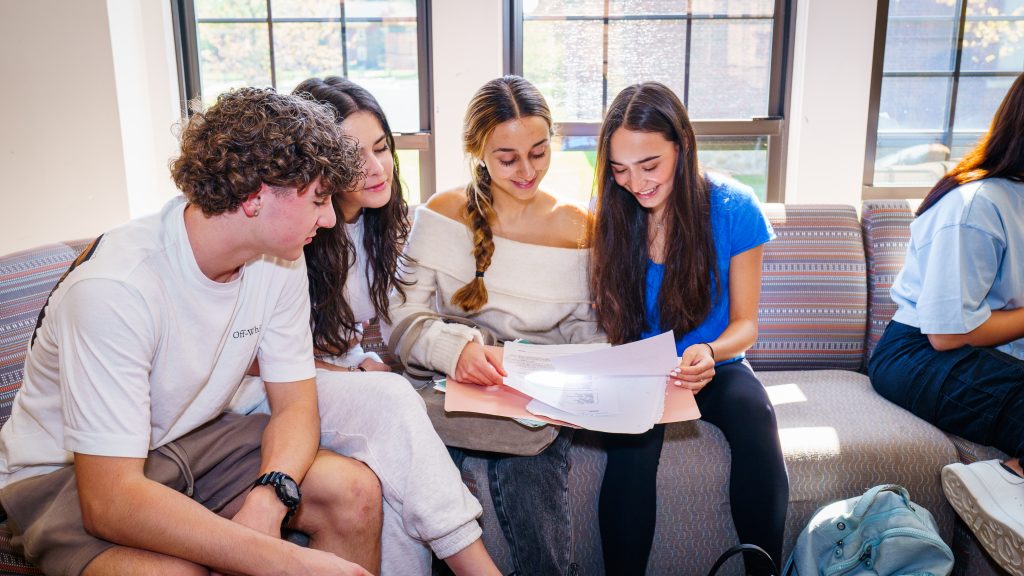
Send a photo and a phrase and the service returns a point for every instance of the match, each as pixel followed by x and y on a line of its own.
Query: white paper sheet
pixel 641 403
pixel 525 358
pixel 595 386
pixel 573 393
pixel 654 356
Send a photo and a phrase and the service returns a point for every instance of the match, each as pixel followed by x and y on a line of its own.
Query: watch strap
pixel 277 479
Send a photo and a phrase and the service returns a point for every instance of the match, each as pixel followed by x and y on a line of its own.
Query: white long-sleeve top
pixel 357 294
pixel 537 293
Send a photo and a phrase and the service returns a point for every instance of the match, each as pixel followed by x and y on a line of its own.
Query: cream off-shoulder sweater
pixel 537 293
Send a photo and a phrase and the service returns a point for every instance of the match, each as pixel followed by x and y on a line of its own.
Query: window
pixel 941 69
pixel 380 44
pixel 725 59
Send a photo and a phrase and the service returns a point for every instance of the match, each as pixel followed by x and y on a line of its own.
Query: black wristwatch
pixel 287 491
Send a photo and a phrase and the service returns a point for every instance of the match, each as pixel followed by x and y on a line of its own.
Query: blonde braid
pixel 480 214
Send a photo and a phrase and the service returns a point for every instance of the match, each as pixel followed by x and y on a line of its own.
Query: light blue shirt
pixel 737 225
pixel 965 259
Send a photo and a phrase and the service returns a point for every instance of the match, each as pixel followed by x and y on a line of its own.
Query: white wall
pixel 60 146
pixel 829 107
pixel 145 69
pixel 90 94
pixel 464 58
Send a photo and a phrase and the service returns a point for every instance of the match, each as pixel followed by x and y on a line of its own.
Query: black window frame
pixel 869 190
pixel 189 81
pixel 772 126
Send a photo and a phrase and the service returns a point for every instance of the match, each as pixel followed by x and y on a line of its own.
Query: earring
pixel 255 212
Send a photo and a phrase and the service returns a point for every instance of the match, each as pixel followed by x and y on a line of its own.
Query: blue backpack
pixel 880 533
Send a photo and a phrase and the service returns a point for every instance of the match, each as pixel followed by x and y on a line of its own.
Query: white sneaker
pixel 991 502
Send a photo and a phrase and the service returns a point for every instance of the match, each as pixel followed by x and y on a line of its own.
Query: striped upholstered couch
pixel 824 303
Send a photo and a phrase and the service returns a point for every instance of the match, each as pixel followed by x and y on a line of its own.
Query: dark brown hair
pixel 998 154
pixel 500 100
pixel 254 136
pixel 619 245
pixel 331 254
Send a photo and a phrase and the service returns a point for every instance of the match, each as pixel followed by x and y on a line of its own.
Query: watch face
pixel 290 489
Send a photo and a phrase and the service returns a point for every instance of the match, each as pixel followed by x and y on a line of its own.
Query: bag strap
pixel 85 255
pixel 402 337
pixel 398 330
pixel 740 549
pixel 868 498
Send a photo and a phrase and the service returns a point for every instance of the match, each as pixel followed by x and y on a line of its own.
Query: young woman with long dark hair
pixel 366 412
pixel 953 353
pixel 674 248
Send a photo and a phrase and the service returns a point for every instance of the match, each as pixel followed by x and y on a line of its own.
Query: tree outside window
pixel 947 65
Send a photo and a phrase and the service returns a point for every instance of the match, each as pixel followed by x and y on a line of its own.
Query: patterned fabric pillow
pixel 886 225
pixel 25 282
pixel 813 309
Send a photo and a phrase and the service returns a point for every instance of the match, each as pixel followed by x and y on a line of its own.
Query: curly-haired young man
pixel 117 449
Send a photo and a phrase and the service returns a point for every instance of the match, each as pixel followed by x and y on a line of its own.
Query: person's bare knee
pixel 340 494
pixel 341 509
pixel 124 561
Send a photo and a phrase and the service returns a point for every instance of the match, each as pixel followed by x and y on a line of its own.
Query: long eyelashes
pixel 645 169
pixel 532 157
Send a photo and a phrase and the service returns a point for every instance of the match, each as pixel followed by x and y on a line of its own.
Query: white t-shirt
pixel 252 395
pixel 139 347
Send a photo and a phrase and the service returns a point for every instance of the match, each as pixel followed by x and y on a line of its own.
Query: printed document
pixel 595 386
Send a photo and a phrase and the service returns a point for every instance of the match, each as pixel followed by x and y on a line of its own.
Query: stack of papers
pixel 595 386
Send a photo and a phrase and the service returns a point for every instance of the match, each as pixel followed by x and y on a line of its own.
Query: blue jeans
pixel 975 393
pixel 531 499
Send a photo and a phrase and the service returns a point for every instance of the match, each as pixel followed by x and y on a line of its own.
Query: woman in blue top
pixel 954 351
pixel 674 249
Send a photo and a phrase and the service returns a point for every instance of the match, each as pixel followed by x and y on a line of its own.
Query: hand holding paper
pixel 479 364
pixel 594 386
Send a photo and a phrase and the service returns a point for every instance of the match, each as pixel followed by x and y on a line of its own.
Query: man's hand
pixel 262 511
pixel 480 364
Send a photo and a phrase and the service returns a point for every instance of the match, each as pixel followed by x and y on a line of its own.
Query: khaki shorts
pixel 213 465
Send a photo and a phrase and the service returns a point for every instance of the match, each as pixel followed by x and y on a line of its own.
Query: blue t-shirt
pixel 737 225
pixel 965 259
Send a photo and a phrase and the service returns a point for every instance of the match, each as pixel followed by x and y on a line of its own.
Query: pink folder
pixel 505 401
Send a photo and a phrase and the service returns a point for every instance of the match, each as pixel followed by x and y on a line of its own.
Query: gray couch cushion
pixel 840 438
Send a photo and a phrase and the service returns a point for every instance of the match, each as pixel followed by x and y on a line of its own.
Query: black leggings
pixel 736 402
